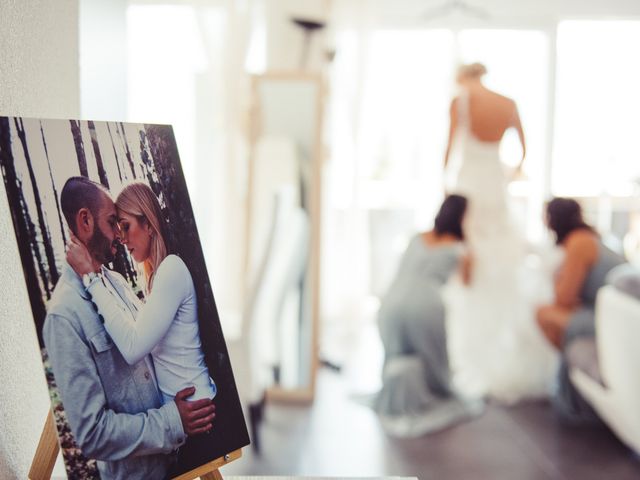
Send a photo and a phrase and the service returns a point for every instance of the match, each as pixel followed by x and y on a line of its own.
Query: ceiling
pixel 434 13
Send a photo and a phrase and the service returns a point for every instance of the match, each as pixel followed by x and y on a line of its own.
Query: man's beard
pixel 100 247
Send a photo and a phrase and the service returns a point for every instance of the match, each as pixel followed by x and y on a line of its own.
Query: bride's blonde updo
pixel 472 70
pixel 138 199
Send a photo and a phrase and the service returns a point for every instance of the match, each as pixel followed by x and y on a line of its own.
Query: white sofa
pixel 616 398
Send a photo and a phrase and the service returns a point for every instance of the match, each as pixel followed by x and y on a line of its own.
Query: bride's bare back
pixel 489 115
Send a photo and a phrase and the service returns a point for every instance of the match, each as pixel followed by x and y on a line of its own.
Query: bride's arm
pixel 518 126
pixel 453 125
pixel 136 339
pixel 466 268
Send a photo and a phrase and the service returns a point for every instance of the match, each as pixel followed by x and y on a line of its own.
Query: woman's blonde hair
pixel 138 199
pixel 472 70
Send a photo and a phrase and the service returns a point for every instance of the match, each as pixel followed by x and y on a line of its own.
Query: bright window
pixel 597 146
pixel 402 118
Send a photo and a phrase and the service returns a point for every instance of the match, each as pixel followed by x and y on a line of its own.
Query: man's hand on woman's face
pixel 78 256
pixel 196 416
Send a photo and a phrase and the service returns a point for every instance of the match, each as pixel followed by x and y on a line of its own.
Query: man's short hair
pixel 77 193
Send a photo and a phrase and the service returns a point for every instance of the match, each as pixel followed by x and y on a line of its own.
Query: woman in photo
pixel 166 325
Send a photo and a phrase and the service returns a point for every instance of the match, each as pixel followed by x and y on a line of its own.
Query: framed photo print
pixel 135 359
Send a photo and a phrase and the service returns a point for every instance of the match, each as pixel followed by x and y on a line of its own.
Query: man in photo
pixel 114 409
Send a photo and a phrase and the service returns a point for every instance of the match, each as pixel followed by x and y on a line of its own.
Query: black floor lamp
pixel 308 27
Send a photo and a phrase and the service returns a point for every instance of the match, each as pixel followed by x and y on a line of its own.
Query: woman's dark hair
pixel 564 215
pixel 449 217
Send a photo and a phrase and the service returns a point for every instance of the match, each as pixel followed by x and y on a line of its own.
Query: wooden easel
pixel 45 458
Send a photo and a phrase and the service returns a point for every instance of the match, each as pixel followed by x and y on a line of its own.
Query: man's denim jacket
pixel 114 409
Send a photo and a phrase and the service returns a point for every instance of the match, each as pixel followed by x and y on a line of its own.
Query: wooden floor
pixel 340 436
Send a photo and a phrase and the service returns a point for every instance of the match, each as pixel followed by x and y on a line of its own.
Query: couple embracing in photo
pixel 132 376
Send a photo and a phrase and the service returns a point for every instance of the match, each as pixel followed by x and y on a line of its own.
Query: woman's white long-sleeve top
pixel 166 326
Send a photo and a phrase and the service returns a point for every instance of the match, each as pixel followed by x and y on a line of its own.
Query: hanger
pixel 456 6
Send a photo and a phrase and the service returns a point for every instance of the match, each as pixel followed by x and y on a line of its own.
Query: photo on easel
pixel 137 367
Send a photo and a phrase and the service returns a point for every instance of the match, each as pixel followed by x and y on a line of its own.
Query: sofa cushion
pixel 625 278
pixel 582 354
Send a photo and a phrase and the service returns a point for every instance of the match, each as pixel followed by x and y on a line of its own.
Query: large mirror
pixel 283 232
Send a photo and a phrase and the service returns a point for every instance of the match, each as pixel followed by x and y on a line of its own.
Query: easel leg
pixel 215 475
pixel 45 457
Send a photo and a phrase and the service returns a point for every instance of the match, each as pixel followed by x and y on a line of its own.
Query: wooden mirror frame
pixel 302 394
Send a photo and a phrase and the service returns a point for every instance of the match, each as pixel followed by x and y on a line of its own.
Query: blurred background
pixel 312 135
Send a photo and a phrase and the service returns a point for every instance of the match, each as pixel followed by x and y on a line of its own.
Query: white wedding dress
pixel 495 346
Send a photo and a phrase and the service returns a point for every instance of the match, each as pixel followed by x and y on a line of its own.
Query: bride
pixel 495 346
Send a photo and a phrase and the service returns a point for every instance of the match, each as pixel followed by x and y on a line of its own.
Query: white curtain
pixel 387 122
pixel 187 67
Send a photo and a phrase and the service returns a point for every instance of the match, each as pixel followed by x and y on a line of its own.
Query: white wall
pixel 427 14
pixel 38 78
pixel 285 40
pixel 103 59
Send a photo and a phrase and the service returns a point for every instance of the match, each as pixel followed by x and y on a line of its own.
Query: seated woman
pixel 582 272
pixel 417 397
pixel 571 316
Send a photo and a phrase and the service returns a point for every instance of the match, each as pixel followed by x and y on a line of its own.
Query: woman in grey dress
pixel 416 397
pixel 586 263
pixel 571 316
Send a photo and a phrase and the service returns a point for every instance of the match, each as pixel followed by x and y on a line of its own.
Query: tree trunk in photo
pixel 127 151
pixel 44 231
pixel 20 218
pixel 123 266
pixel 160 154
pixel 79 144
pixel 34 253
pixel 96 151
pixel 53 187
pixel 149 167
pixel 115 153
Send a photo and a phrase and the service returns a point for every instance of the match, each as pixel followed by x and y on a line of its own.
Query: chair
pixel 617 398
